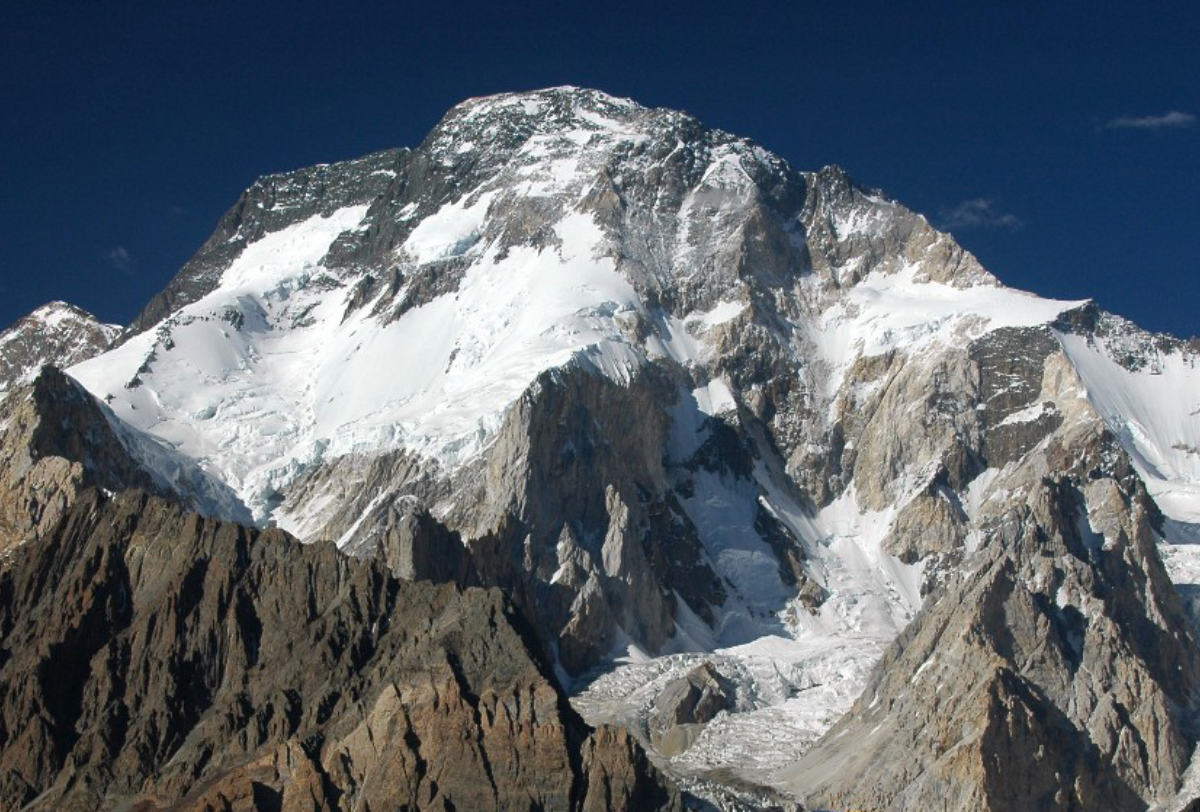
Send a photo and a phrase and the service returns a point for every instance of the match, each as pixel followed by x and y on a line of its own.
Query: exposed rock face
pixel 274 202
pixel 56 440
pixel 1057 671
pixel 417 547
pixel 597 539
pixel 577 514
pixel 54 443
pixel 686 704
pixel 58 334
pixel 153 659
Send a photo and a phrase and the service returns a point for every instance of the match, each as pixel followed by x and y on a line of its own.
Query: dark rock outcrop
pixel 417 547
pixel 273 202
pixel 54 442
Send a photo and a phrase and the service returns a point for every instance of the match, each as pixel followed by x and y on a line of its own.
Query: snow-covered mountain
pixel 687 404
pixel 56 333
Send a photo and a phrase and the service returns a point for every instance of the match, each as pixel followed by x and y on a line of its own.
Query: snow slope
pixel 263 376
pixel 1155 412
pixel 904 311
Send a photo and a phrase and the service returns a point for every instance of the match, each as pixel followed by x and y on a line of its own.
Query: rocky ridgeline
pixel 1054 668
pixel 55 443
pixel 156 660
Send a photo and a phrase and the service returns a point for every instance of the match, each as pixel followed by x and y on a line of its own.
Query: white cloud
pixel 119 258
pixel 977 213
pixel 1168 121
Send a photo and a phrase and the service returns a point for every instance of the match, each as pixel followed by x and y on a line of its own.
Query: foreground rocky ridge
pixel 56 440
pixel 154 659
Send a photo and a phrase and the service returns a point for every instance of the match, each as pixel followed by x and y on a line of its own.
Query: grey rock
pixel 417 547
pixel 1056 670
pixel 55 442
pixel 273 202
pixel 685 705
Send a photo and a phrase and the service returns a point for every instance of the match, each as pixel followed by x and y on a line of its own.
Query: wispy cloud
pixel 119 258
pixel 978 212
pixel 1173 120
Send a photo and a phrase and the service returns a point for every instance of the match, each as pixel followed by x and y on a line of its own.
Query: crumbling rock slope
pixel 153 659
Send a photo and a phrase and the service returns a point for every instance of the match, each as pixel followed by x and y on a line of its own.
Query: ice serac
pixel 58 334
pixel 686 406
pixel 155 660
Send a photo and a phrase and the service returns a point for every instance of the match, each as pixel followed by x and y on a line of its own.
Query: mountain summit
pixel 781 479
pixel 54 333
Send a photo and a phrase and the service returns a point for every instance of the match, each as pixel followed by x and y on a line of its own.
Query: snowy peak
pixel 673 394
pixel 556 108
pixel 504 168
pixel 58 334
pixel 853 230
pixel 1146 386
pixel 504 123
pixel 527 232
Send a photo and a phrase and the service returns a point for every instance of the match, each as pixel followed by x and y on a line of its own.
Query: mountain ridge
pixel 55 332
pixel 685 404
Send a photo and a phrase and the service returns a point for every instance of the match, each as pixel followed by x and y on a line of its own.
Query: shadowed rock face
pixel 153 659
pixel 573 512
pixel 271 203
pixel 55 442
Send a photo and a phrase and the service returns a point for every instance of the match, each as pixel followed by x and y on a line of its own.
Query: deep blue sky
pixel 1040 133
